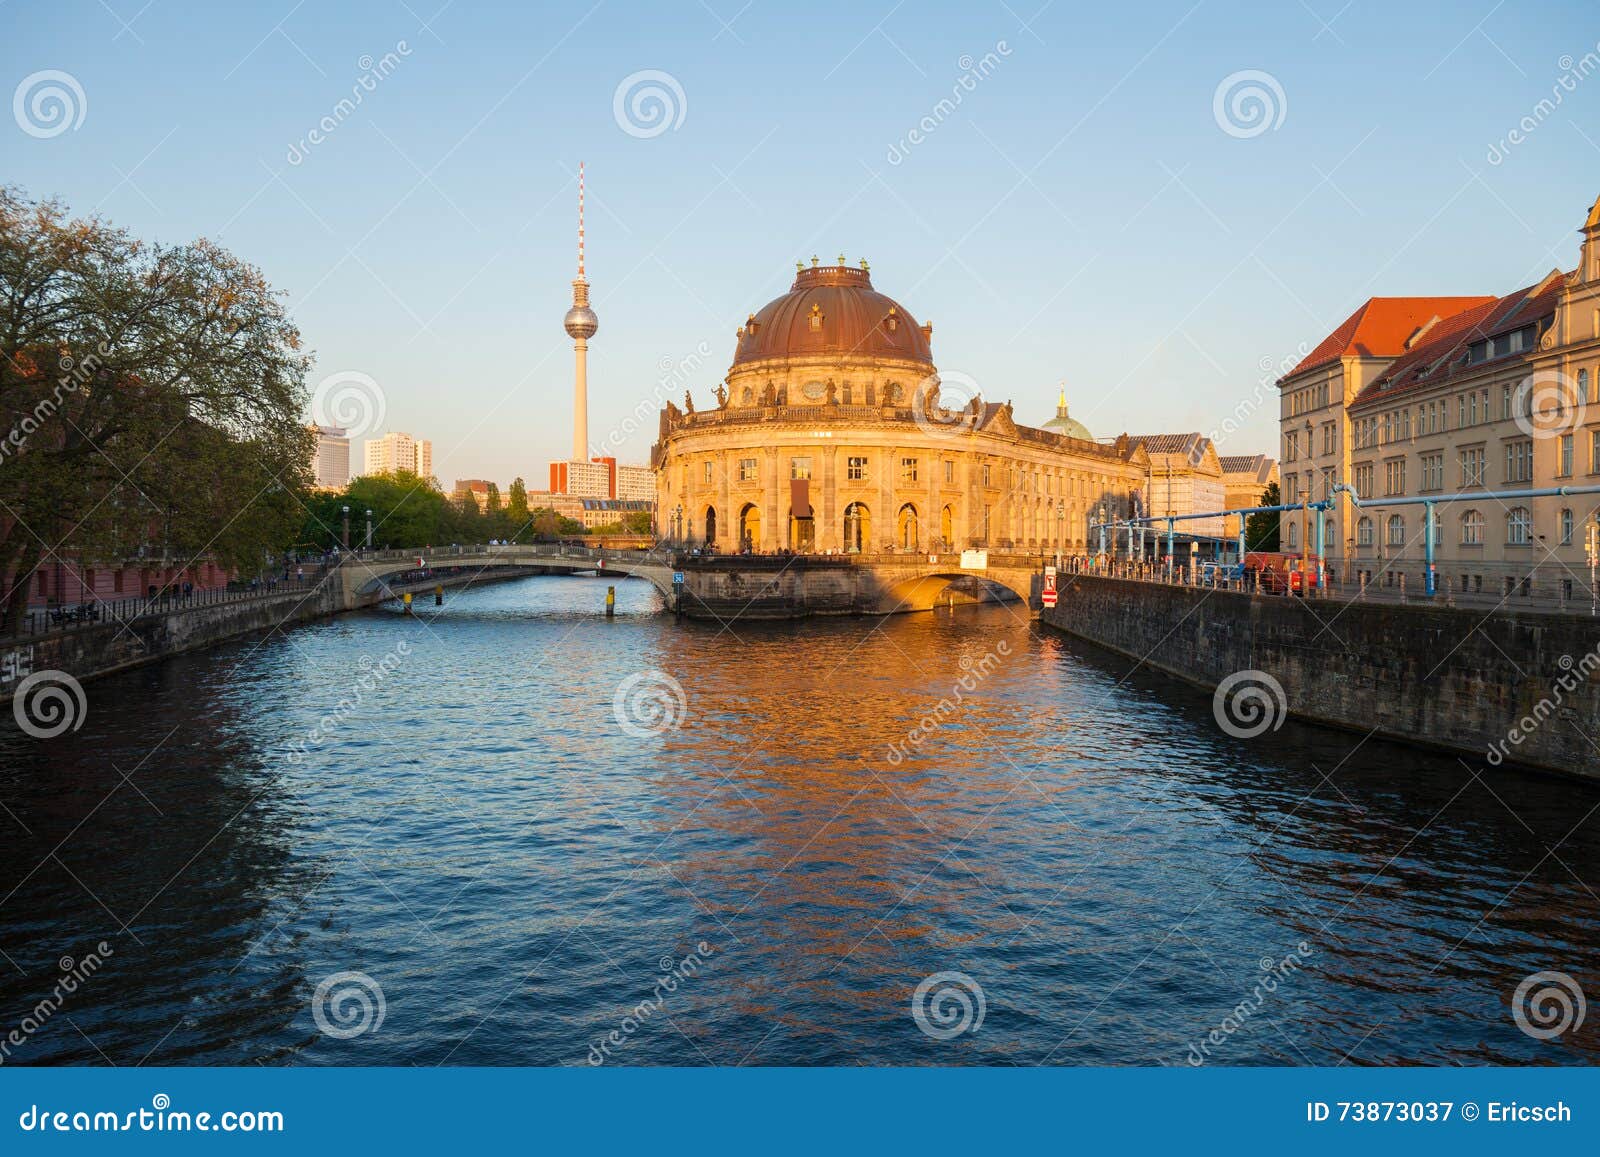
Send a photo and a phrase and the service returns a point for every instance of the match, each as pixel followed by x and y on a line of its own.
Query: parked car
pixel 1279 571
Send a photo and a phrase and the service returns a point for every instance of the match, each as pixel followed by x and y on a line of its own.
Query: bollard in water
pixel 611 602
pixel 438 595
pixel 407 600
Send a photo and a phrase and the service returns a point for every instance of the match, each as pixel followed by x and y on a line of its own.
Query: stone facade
pixel 834 432
pixel 1428 675
pixel 1415 397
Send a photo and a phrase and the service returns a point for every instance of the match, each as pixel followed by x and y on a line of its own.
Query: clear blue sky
pixel 1081 214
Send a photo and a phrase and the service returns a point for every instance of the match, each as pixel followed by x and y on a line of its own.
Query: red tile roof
pixel 1379 329
pixel 1442 353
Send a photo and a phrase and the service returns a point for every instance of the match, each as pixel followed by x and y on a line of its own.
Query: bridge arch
pixel 922 591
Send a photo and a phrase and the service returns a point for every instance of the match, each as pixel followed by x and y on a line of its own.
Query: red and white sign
pixel 1048 597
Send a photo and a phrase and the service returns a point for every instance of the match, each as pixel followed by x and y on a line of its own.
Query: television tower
pixel 581 324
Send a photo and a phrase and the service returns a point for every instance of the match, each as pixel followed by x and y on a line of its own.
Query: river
pixel 441 840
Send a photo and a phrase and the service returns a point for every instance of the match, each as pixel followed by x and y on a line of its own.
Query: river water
pixel 392 841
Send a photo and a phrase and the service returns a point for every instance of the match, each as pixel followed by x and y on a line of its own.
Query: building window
pixel 1594 452
pixel 1564 458
pixel 1472 466
pixel 800 468
pixel 1472 528
pixel 908 469
pixel 949 471
pixel 1519 527
pixel 1364 480
pixel 1291 446
pixel 1329 437
pixel 986 474
pixel 1505 402
pixel 1519 460
pixel 1294 535
pixel 1394 477
pixel 1566 527
pixel 1364 531
pixel 747 470
pixel 1583 387
pixel 1397 530
pixel 1433 471
pixel 856 469
pixel 708 473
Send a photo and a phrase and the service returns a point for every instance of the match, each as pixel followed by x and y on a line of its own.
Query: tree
pixel 517 514
pixel 1261 530
pixel 151 400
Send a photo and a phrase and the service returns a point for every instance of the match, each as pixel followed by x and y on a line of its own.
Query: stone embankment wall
pixel 89 652
pixel 1502 687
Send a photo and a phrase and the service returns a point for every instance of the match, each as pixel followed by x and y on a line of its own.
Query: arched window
pixel 750 527
pixel 1397 530
pixel 1566 527
pixel 947 527
pixel 908 537
pixel 1472 528
pixel 1519 527
pixel 1294 534
pixel 711 525
pixel 1364 531
pixel 857 528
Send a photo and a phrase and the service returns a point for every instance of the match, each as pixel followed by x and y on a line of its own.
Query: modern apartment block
pixel 399 452
pixel 331 466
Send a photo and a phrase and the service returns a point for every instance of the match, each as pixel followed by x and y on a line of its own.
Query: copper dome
pixel 833 309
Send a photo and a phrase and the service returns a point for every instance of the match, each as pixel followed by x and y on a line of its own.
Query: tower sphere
pixel 581 322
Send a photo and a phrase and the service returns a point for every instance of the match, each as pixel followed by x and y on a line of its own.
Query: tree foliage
pixel 1261 530
pixel 151 400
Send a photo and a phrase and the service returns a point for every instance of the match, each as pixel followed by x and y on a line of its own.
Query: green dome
pixel 1062 423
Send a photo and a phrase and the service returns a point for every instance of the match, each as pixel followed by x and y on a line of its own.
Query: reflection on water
pixel 848 807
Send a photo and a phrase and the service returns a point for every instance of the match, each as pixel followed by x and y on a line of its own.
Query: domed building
pixel 834 431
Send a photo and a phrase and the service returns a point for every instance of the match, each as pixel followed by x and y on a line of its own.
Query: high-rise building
pixel 331 464
pixel 399 452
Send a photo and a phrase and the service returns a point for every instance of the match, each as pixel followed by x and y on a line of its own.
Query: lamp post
pixel 369 530
pixel 344 536
pixel 1061 526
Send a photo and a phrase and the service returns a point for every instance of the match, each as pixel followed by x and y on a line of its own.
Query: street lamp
pixel 345 534
pixel 369 530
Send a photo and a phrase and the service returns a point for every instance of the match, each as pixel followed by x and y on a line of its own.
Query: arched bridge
pixel 720 587
pixel 373 576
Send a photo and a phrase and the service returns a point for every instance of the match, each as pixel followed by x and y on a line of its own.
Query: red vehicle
pixel 1277 572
